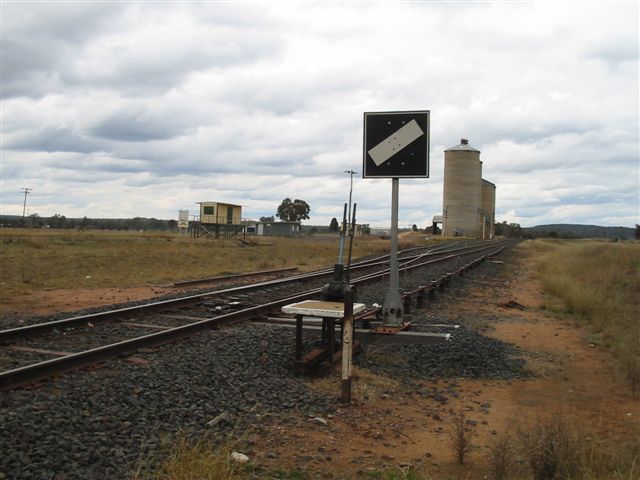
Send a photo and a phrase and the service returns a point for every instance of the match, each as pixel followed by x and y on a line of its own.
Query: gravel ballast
pixel 104 422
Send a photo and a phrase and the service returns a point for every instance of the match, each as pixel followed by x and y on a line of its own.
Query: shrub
pixel 461 433
pixel 551 450
pixel 501 457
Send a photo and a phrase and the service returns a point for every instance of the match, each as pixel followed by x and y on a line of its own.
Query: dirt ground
pixel 403 429
pixel 45 302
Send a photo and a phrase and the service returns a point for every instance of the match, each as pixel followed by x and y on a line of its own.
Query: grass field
pixel 597 282
pixel 53 259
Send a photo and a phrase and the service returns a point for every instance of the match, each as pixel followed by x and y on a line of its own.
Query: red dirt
pixel 574 380
pixel 45 302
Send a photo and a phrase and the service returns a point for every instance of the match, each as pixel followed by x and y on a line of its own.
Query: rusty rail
pixel 185 283
pixel 30 373
pixel 30 330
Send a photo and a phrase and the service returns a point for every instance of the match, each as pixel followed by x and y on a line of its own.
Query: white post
pixel 347 345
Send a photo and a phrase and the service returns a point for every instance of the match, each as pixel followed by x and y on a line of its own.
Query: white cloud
pixel 142 109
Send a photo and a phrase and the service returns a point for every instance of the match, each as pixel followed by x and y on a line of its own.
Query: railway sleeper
pixel 315 358
pixel 440 284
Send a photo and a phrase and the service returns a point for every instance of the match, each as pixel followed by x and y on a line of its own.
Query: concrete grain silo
pixel 488 208
pixel 462 198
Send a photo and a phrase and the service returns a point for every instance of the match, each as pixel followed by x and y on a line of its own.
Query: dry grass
pixel 553 449
pixel 597 282
pixel 399 473
pixel 500 458
pixel 51 259
pixel 201 459
pixel 364 384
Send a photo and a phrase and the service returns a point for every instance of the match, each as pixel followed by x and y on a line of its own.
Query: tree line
pixel 288 210
pixel 85 223
pixel 298 210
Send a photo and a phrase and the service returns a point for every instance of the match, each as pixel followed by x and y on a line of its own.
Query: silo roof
pixel 490 183
pixel 464 146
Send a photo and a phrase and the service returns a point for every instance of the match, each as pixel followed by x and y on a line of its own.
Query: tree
pixel 57 221
pixel 267 219
pixel 333 226
pixel 295 211
pixel 35 221
pixel 637 232
pixel 509 230
pixel 414 228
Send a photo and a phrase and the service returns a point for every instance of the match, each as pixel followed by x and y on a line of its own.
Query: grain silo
pixel 488 208
pixel 462 198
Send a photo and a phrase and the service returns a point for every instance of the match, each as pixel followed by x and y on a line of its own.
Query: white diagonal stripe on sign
pixel 395 142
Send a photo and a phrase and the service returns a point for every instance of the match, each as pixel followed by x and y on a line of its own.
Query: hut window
pixel 207 210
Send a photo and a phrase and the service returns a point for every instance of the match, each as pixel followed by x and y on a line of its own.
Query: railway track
pixel 88 339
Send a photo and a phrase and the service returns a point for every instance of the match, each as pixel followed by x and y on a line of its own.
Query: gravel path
pixel 101 423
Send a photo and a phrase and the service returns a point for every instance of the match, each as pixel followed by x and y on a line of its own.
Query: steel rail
pixel 409 266
pixel 234 276
pixel 449 246
pixel 30 330
pixel 48 368
pixel 38 371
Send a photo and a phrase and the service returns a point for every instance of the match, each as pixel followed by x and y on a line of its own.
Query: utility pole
pixel 24 205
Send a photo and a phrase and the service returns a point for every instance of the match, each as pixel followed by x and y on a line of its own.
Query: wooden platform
pixel 320 309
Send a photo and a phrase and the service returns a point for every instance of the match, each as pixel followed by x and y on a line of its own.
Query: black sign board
pixel 396 145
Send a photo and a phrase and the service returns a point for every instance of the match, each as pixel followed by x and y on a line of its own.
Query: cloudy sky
pixel 141 109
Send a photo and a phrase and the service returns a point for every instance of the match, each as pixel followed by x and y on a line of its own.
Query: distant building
pixel 380 232
pixel 214 213
pixel 437 219
pixel 278 229
pixel 468 205
pixel 488 209
pixel 218 218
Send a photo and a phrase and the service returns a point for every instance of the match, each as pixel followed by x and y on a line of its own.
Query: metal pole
pixel 350 172
pixel 393 263
pixel 351 233
pixel 343 228
pixel 392 310
pixel 346 216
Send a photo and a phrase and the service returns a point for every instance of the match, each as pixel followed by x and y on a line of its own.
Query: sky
pixel 124 109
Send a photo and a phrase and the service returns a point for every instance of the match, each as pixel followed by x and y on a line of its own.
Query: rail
pixel 38 371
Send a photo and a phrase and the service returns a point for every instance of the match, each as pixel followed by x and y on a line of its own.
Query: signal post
pixel 396 145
